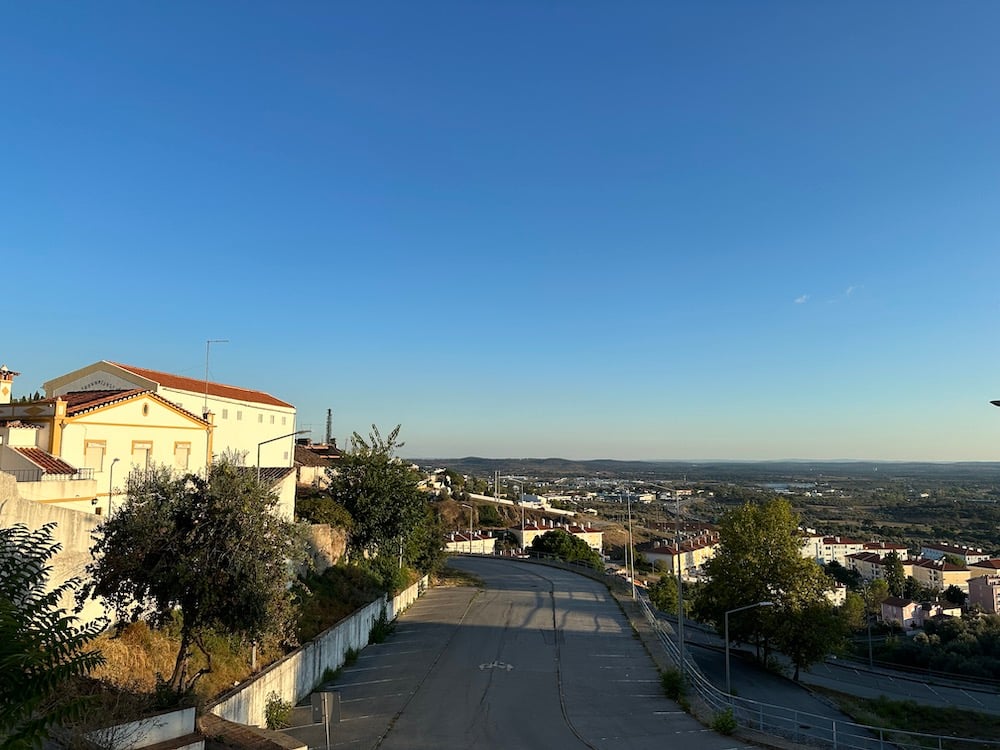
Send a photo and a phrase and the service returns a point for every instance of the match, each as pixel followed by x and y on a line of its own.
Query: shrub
pixel 724 722
pixel 673 684
pixel 381 628
pixel 276 711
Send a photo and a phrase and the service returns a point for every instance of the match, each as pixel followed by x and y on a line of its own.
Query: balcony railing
pixel 38 475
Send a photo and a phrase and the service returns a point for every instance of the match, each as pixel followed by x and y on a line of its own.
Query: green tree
pixel 955 595
pixel 41 645
pixel 759 559
pixel 211 550
pixel 380 492
pixel 853 612
pixel 321 508
pixel 808 626
pixel 663 593
pixel 895 575
pixel 565 546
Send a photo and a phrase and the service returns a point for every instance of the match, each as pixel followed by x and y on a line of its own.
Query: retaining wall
pixel 295 676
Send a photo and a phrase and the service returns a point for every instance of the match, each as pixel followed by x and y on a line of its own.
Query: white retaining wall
pixel 152 730
pixel 297 675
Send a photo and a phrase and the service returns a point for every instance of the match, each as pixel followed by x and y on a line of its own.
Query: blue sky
pixel 628 230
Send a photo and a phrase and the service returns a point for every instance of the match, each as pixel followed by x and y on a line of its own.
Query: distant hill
pixel 759 471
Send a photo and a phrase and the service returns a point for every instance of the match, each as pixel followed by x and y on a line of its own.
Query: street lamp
pixel 271 440
pixel 466 505
pixel 738 609
pixel 631 550
pixel 111 478
pixel 678 559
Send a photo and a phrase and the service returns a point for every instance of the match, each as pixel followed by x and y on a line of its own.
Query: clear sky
pixel 582 229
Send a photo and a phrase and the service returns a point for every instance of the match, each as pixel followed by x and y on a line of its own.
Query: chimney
pixel 6 383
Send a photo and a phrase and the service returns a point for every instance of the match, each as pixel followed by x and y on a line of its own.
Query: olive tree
pixel 209 549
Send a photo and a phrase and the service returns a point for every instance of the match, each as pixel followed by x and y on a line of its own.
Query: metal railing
pixel 800 726
pixel 39 475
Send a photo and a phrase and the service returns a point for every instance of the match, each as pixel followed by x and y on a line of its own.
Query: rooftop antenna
pixel 208 348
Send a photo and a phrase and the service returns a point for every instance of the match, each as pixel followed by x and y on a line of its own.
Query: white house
pixel 103 419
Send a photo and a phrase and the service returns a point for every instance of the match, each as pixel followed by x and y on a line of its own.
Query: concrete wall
pixel 73 531
pixel 151 730
pixel 297 675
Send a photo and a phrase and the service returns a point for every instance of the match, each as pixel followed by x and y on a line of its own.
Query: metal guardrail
pixel 800 726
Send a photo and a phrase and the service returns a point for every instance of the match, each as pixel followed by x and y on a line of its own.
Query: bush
pixel 381 628
pixel 276 711
pixel 673 684
pixel 724 722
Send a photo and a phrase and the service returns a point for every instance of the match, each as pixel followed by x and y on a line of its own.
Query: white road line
pixel 971 697
pixel 372 682
pixel 375 697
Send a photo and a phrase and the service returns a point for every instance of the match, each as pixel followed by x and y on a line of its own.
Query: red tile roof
pixel 80 402
pixel 45 461
pixel 194 385
pixel 992 564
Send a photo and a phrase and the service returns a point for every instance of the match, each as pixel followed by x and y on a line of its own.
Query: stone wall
pixel 327 545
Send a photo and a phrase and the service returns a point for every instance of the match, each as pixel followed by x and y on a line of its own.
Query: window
pixel 93 454
pixel 142 451
pixel 225 413
pixel 182 455
pixel 260 419
pixel 286 455
pixel 239 416
pixel 283 420
pixel 272 419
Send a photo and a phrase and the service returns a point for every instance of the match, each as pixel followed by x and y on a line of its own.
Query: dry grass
pixel 908 715
pixel 137 656
pixel 449 576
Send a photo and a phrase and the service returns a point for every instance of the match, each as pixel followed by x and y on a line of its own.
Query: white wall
pixel 73 531
pixel 299 673
pixel 241 426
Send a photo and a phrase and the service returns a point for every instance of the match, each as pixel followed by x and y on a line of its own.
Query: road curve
pixel 538 658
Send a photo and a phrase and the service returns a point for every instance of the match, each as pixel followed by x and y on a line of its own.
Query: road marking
pixel 373 697
pixel 971 697
pixel 394 653
pixel 497 665
pixel 372 682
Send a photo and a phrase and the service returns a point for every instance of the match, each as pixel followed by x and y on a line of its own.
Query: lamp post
pixel 520 501
pixel 631 549
pixel 466 505
pixel 738 609
pixel 271 440
pixel 111 481
pixel 678 560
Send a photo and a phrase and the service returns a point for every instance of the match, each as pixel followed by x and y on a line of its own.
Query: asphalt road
pixel 539 658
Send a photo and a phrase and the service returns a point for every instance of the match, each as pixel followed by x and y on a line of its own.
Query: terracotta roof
pixel 306 457
pixel 993 564
pixel 80 402
pixel 271 475
pixel 942 565
pixel 45 461
pixel 896 601
pixel 194 385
